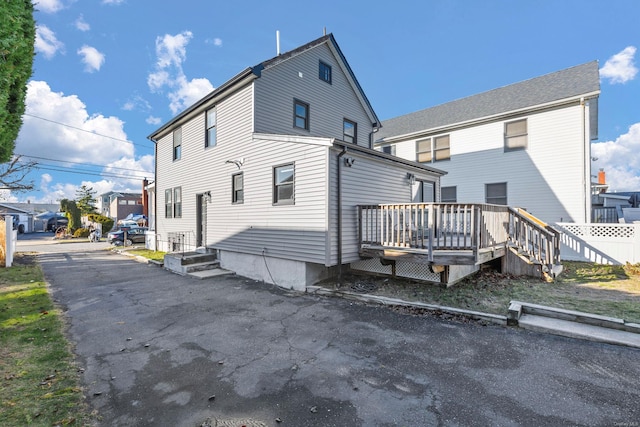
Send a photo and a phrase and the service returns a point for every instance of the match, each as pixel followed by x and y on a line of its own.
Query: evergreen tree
pixel 17 36
pixel 85 200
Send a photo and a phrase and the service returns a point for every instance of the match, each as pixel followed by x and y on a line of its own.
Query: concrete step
pixel 572 329
pixel 192 257
pixel 201 266
pixel 574 324
pixel 205 274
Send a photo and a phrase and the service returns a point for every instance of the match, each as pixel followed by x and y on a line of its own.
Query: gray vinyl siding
pixel 368 181
pixel 203 169
pixel 297 231
pixel 329 104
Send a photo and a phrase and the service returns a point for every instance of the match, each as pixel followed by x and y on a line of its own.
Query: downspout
pixel 339 185
pixel 376 128
pixel 586 191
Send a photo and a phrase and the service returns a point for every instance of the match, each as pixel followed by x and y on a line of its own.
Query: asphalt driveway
pixel 160 349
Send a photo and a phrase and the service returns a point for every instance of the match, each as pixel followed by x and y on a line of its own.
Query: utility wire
pixel 85 130
pixel 79 163
pixel 92 173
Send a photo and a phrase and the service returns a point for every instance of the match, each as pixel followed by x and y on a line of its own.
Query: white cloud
pixel 620 160
pixel 137 103
pixel 153 120
pixel 92 58
pixel 81 24
pixel 171 51
pixel 68 132
pixel 48 6
pixel 188 92
pixel 620 67
pixel 46 42
pixel 215 41
pixel 112 1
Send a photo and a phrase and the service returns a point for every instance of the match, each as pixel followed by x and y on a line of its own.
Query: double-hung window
pixel 177 202
pixel 211 137
pixel 324 72
pixel 168 203
pixel 283 184
pixel 349 131
pixel 237 188
pixel 300 114
pixel 515 135
pixel 434 149
pixel 177 144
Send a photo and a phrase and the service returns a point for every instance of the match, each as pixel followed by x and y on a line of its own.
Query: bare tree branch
pixel 13 175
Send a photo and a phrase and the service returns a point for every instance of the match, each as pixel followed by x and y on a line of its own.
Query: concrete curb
pixel 518 308
pixel 368 298
pixel 534 317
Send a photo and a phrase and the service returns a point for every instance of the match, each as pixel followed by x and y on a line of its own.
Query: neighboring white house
pixel 525 145
pixel 269 167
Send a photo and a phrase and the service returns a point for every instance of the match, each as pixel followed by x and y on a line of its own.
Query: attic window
pixel 324 72
pixel 349 131
pixel 300 114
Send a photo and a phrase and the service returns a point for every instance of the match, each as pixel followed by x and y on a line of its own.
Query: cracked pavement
pixel 166 350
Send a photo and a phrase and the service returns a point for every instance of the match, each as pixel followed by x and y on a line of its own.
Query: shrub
pixel 106 222
pixel 81 232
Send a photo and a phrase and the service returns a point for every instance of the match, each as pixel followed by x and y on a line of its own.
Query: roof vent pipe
pixel 277 42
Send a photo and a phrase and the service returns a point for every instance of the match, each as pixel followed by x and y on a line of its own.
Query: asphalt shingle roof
pixel 571 82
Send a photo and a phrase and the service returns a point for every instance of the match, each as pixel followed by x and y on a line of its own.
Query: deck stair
pixel 535 243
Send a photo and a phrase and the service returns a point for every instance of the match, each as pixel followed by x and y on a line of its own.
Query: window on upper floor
pixel 283 184
pixel 168 203
pixel 324 72
pixel 349 131
pixel 177 144
pixel 300 114
pixel 496 193
pixel 237 188
pixel 515 135
pixel 211 137
pixel 389 149
pixel 449 194
pixel 434 149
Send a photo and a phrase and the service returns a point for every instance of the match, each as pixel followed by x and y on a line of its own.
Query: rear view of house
pixel 268 169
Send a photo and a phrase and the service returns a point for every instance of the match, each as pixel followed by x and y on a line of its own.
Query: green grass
pixel 599 289
pixel 39 382
pixel 146 253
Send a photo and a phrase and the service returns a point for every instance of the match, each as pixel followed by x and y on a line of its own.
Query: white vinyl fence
pixel 600 243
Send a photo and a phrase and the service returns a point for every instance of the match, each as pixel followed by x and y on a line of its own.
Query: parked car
pixel 56 222
pixel 133 235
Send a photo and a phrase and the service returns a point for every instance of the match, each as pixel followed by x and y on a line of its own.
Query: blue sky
pixel 107 73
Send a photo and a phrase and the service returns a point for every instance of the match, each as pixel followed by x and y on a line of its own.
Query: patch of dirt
pixel 24 258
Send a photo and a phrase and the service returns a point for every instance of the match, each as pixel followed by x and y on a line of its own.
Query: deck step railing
pixel 534 239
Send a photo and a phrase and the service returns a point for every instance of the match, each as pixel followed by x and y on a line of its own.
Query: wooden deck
pixel 454 234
